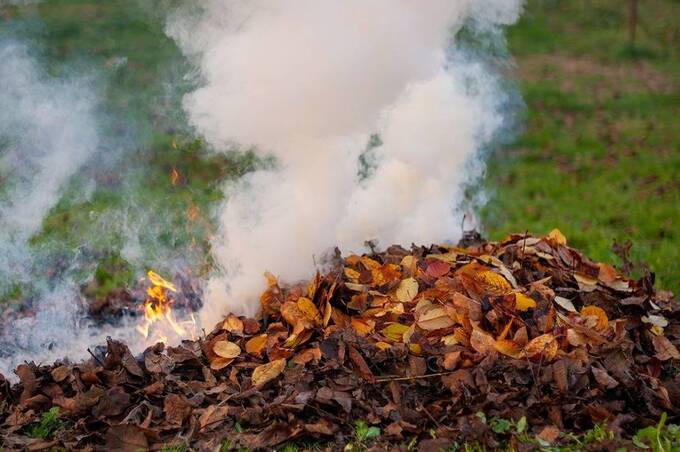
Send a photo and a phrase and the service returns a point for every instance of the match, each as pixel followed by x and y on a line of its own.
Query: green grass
pixel 600 155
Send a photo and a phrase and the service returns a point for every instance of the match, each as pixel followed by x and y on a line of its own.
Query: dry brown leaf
pixel 482 341
pixel 665 350
pixel 434 318
pixel 268 372
pixel 451 360
pixel 226 349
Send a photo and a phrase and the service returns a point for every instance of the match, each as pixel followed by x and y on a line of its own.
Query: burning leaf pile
pixel 414 342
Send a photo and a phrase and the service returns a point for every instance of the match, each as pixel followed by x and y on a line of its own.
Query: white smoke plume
pixel 308 82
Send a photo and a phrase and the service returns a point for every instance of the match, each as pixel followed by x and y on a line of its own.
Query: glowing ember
pixel 159 320
pixel 174 176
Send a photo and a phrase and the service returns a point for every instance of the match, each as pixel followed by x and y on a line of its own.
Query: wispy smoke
pixel 47 132
pixel 309 82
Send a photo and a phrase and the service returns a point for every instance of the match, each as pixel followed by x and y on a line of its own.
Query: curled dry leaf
pixel 226 349
pixel 267 372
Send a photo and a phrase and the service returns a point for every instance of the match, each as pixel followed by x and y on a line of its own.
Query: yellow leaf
pixel 523 302
pixel 407 290
pixel 416 349
pixel 255 346
pixel 601 320
pixel 492 283
pixel 394 331
pixel 352 274
pixel 556 236
pixel 267 372
pixel 327 310
pixel 226 349
pixel 309 310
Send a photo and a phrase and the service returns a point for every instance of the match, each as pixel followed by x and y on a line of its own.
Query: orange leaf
pixel 363 327
pixel 508 347
pixel 601 322
pixel 220 363
pixel 545 345
pixel 309 310
pixel 492 283
pixel 255 346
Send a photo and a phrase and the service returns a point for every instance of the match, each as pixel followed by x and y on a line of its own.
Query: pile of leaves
pixel 414 343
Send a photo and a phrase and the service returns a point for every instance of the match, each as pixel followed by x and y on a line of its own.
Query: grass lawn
pixel 599 157
pixel 600 154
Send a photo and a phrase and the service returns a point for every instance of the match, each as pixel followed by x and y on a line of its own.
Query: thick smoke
pixel 309 82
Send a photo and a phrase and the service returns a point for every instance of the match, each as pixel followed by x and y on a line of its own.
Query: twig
pixel 95 358
pixel 416 377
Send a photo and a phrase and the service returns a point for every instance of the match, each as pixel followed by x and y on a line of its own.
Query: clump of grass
pixel 48 425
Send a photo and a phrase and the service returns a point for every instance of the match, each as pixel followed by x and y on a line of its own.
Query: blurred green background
pixel 598 156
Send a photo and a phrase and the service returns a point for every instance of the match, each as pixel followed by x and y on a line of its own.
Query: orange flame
pixel 174 176
pixel 158 315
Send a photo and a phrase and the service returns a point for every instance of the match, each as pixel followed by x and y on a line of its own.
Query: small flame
pixel 174 176
pixel 158 314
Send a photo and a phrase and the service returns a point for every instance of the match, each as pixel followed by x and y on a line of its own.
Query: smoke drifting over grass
pixel 309 82
pixel 48 131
